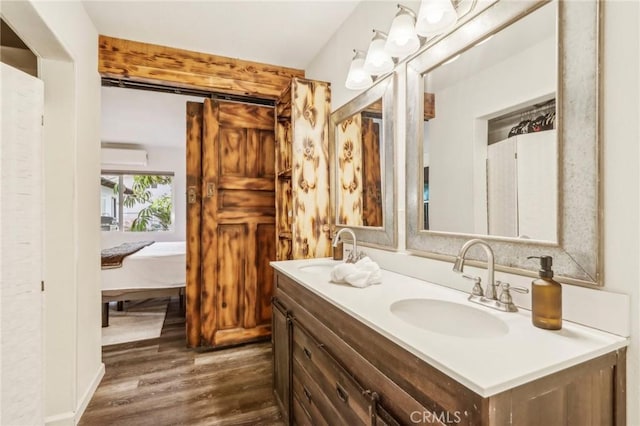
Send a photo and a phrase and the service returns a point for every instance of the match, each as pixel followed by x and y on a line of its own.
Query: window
pixel 136 202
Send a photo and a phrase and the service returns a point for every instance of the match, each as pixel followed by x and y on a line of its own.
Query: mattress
pixel 160 265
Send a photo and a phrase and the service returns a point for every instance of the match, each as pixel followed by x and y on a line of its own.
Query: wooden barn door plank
pixel 194 178
pixel 210 267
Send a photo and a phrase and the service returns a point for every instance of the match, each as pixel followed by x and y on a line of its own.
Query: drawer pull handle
pixel 307 394
pixel 342 394
pixel 307 353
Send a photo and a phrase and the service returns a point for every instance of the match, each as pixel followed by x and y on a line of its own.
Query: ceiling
pixel 280 32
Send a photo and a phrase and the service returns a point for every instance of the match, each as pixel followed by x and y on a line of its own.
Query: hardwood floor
pixel 160 382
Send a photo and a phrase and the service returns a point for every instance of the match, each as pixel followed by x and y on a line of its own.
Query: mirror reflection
pixel 359 172
pixel 490 150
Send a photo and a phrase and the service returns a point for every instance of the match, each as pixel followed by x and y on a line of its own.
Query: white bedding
pixel 160 265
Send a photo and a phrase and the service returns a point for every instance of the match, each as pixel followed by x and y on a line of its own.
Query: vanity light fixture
pixel 358 78
pixel 435 17
pixel 378 61
pixel 402 40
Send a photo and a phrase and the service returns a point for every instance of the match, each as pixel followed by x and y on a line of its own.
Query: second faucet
pixel 354 256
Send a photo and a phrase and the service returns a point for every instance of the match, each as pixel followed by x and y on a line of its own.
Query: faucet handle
pixel 354 257
pixel 507 286
pixel 477 288
pixel 505 295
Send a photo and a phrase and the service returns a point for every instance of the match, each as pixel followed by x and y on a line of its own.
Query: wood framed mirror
pixel 570 202
pixel 362 166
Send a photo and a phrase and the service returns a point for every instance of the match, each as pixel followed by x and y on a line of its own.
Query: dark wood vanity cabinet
pixel 332 369
pixel 281 342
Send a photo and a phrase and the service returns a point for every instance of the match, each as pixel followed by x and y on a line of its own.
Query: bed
pixel 157 270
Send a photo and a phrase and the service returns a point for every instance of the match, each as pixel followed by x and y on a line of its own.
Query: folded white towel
pixel 363 273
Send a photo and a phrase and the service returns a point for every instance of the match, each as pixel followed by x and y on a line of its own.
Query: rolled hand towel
pixel 340 272
pixel 363 273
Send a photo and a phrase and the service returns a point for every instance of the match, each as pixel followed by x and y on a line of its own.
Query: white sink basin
pixel 321 267
pixel 449 318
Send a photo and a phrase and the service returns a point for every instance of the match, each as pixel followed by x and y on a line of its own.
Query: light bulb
pixel 435 17
pixel 402 39
pixel 378 61
pixel 357 77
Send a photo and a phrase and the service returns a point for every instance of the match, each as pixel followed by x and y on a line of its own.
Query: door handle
pixel 192 195
pixel 211 189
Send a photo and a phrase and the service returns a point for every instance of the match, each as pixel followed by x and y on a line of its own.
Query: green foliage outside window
pixel 156 216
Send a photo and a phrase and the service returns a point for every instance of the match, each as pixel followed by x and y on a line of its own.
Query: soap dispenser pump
pixel 546 297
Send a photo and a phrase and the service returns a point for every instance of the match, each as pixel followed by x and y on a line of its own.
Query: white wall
pixel 621 106
pixel 621 188
pixel 62 33
pixel 160 159
pixel 60 239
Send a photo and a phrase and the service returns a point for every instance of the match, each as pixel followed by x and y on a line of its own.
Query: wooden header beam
pixel 150 63
pixel 429 106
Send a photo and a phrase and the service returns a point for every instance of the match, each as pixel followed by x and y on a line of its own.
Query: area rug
pixel 140 320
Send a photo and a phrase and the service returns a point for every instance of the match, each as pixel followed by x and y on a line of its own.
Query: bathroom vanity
pixel 411 352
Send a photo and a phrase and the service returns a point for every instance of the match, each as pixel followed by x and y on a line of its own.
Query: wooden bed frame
pixel 136 294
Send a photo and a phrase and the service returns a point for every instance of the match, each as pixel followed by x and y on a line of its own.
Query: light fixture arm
pixel 468 11
pixel 380 34
pixel 357 52
pixel 408 10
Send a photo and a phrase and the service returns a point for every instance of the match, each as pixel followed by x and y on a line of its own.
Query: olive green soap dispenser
pixel 546 297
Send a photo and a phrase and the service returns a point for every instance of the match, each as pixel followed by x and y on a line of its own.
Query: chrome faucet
pixel 354 256
pixel 458 266
pixel 489 297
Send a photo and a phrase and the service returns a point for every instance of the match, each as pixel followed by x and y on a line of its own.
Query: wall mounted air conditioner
pixel 123 157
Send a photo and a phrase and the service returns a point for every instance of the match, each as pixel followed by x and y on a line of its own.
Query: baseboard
pixel 64 419
pixel 84 401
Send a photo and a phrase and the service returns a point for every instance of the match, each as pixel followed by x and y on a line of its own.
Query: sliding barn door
pixel 237 224
pixel 371 173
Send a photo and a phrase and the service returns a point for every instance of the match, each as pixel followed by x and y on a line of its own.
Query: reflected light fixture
pixel 378 61
pixel 402 40
pixel 358 78
pixel 435 17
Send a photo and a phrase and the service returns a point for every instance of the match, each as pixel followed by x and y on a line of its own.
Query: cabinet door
pixel 281 357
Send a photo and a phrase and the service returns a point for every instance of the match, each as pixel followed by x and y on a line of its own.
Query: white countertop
pixel 486 365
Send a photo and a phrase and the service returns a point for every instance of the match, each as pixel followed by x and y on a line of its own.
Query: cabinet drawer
pixel 300 415
pixel 311 398
pixel 344 393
